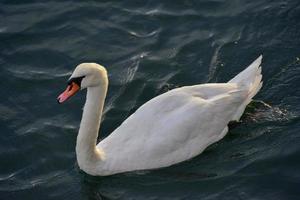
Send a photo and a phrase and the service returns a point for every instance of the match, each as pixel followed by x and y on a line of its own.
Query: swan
pixel 170 128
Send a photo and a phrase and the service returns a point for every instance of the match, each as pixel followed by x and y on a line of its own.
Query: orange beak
pixel 70 91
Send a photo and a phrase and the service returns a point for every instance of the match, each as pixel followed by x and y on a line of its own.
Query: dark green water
pixel 148 47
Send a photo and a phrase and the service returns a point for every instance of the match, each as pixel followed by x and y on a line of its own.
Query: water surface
pixel 148 48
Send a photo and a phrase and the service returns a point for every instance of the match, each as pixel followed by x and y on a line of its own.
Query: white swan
pixel 168 129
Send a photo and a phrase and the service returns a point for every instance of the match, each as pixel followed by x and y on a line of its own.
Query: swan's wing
pixel 172 127
pixel 210 90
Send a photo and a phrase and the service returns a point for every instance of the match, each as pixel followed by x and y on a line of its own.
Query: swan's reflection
pixel 141 184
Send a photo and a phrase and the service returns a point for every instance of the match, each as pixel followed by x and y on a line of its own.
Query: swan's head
pixel 85 75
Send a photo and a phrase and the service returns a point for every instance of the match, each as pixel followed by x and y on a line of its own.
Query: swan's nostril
pixel 70 87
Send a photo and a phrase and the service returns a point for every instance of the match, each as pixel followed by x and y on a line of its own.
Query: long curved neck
pixel 86 150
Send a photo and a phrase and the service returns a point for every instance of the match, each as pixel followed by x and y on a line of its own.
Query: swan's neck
pixel 86 150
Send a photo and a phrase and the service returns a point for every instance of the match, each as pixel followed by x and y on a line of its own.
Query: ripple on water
pixel 148 48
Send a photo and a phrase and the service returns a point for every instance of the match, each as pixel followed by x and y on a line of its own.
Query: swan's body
pixel 168 129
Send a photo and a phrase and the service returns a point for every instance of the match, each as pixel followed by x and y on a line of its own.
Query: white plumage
pixel 168 129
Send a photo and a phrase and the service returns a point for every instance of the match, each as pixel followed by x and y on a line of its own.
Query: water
pixel 148 48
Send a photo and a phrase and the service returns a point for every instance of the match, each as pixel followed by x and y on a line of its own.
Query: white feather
pixel 168 129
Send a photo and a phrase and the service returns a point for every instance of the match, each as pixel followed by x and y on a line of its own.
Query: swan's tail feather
pixel 251 79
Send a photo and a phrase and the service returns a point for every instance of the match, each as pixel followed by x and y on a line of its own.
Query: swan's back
pixel 178 124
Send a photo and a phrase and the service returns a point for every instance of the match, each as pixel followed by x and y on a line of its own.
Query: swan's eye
pixel 76 80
